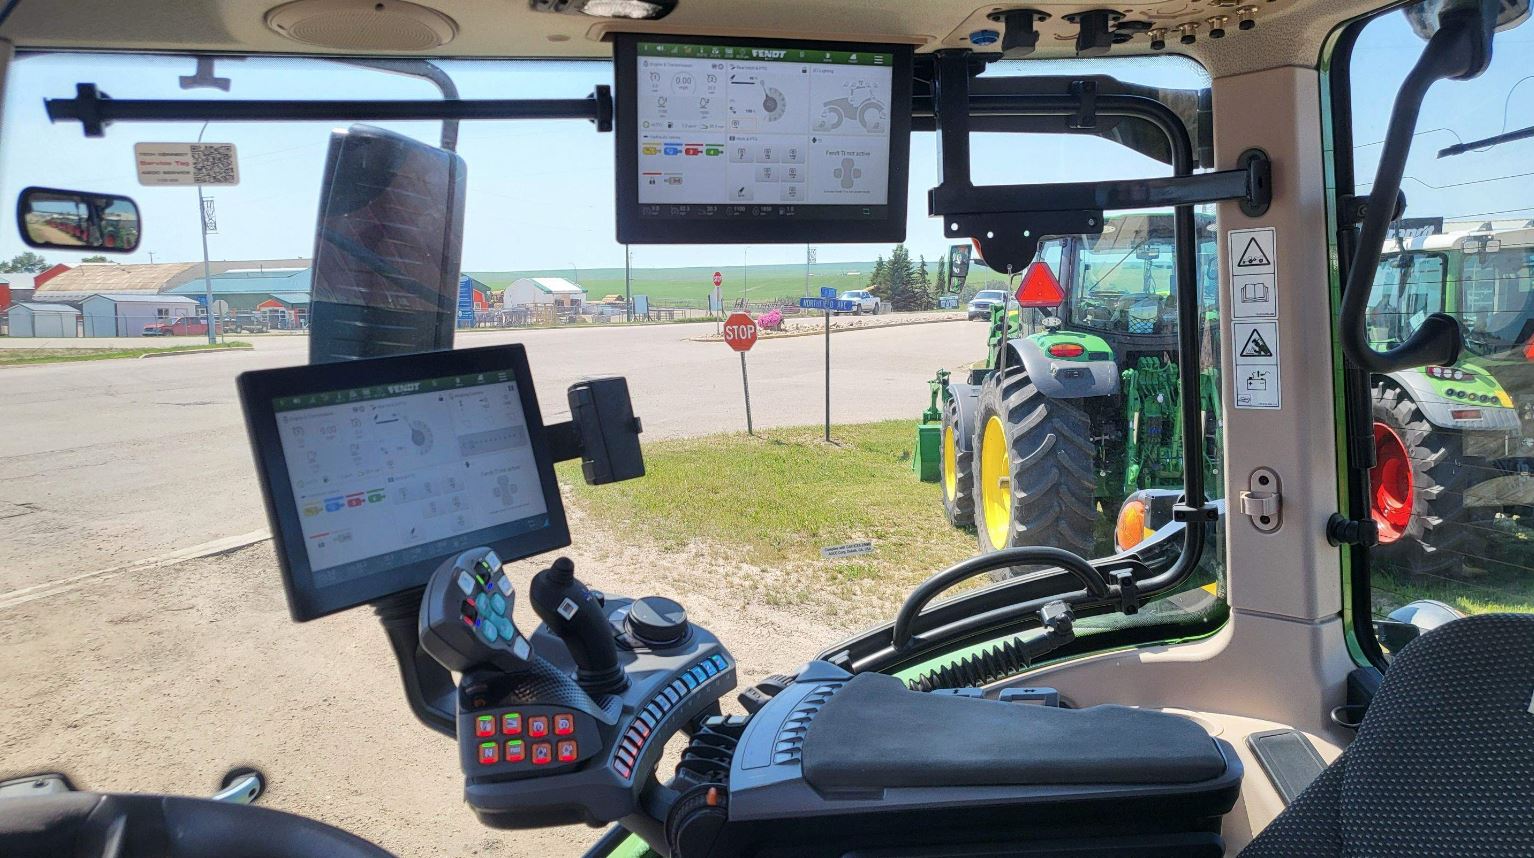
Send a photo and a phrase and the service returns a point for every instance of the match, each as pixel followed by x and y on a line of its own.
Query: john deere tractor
pixel 1075 403
pixel 1454 445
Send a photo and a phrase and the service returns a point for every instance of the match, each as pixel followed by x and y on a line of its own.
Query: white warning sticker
pixel 1253 267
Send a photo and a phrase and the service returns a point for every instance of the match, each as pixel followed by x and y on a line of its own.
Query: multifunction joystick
pixel 575 615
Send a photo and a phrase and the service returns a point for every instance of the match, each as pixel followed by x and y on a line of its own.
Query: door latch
pixel 1262 500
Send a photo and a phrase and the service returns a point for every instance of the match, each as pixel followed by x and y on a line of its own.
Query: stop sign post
pixel 740 335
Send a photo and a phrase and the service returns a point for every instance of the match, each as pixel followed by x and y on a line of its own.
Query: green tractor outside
pixel 1454 445
pixel 1075 404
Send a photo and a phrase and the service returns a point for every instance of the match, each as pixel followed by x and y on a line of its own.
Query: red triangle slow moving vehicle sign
pixel 1039 287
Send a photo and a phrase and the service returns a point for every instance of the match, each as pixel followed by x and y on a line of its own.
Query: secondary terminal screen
pixel 743 130
pixel 393 474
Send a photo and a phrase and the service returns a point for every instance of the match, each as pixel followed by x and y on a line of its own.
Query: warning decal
pixel 1256 346
pixel 1252 269
pixel 1252 256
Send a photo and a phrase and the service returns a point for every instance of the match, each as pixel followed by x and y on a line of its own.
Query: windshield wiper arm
pixel 1498 140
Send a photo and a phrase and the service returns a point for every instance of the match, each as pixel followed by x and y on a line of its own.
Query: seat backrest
pixel 1444 761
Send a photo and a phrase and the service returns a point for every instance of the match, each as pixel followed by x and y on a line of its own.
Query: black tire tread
pixel 960 509
pixel 1053 477
pixel 1439 535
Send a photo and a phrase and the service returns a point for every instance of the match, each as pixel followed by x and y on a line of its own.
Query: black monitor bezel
pixel 632 229
pixel 258 390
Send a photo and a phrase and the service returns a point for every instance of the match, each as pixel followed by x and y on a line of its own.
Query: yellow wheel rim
pixel 950 464
pixel 996 483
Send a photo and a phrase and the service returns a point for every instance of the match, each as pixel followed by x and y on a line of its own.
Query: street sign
pixel 828 291
pixel 740 332
pixel 718 278
pixel 835 304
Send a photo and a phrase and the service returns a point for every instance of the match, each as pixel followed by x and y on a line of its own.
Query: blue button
pixel 692 681
pixel 649 719
pixel 672 695
pixel 698 674
pixel 679 686
pixel 498 603
pixel 488 631
pixel 719 662
pixel 708 668
pixel 504 626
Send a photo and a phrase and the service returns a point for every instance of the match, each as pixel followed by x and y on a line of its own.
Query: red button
pixel 515 753
pixel 511 723
pixel 543 752
pixel 484 726
pixel 538 726
pixel 564 725
pixel 642 728
pixel 622 768
pixel 488 753
pixel 567 751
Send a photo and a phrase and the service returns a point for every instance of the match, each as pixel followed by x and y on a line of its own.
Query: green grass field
pixel 690 286
pixel 28 357
pixel 776 499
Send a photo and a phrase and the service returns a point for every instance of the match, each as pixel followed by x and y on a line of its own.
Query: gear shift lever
pixel 573 614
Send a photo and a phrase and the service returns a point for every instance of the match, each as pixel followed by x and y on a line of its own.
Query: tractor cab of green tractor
pixel 1238 470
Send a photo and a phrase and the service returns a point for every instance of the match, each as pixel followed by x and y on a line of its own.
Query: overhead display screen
pixel 381 480
pixel 723 140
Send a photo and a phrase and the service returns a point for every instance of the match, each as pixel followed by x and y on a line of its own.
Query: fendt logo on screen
pixel 763 54
pixel 405 388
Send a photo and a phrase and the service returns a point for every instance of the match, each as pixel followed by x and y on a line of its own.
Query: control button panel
pixel 655 716
pixel 526 740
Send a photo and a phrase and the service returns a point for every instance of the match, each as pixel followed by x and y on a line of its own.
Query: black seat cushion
pixel 1444 761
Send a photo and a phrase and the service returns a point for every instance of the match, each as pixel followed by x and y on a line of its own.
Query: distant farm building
pixel 544 290
pixel 34 319
pixel 127 315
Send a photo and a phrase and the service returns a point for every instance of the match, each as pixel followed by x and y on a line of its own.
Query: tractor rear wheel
pixel 1417 489
pixel 956 469
pixel 1035 484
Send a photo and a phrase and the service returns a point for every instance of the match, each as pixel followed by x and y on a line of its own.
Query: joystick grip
pixel 574 615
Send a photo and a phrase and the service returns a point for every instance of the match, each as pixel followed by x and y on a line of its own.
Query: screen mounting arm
pixel 1008 220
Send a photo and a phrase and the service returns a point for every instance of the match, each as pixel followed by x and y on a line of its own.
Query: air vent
pixel 362 25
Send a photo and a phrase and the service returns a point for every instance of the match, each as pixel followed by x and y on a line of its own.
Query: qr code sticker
pixel 214 164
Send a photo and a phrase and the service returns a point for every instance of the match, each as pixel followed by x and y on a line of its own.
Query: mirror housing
pixel 78 220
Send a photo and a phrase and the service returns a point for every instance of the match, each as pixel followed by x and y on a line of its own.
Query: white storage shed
pixel 127 314
pixel 35 319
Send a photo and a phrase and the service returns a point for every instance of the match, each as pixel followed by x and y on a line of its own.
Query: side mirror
pixel 957 262
pixel 77 220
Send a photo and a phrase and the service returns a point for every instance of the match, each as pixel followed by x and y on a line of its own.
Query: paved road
pixel 107 462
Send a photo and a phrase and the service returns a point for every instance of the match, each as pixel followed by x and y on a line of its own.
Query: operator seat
pixel 1444 760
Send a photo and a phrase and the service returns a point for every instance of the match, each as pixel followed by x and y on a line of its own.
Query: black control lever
pixel 575 615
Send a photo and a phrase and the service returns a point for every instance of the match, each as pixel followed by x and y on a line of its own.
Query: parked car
pixel 863 301
pixel 980 305
pixel 182 327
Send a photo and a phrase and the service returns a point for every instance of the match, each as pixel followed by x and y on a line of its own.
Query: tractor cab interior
pixel 1251 434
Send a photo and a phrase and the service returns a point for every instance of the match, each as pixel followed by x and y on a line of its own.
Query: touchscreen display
pixel 391 474
pixel 726 140
pixel 767 126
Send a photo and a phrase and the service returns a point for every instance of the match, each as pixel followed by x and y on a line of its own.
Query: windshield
pixel 1497 292
pixel 1125 280
pixel 1407 289
pixel 139 472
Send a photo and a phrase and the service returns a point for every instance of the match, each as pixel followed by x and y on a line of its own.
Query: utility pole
pixel 744 252
pixel 207 267
pixel 809 260
pixel 628 292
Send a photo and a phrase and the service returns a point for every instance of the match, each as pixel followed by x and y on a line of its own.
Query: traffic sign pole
pixel 828 375
pixel 740 335
pixel 745 385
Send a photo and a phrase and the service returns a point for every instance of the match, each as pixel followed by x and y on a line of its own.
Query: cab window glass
pixel 1453 490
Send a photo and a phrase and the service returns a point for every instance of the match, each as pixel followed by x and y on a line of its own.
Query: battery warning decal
pixel 1250 256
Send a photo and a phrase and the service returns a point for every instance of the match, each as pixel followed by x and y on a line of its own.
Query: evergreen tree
pixel 879 282
pixel 924 285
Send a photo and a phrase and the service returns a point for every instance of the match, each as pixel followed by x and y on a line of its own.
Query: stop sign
pixel 718 278
pixel 740 332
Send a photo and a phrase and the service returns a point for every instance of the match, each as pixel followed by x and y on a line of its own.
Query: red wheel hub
pixel 1392 489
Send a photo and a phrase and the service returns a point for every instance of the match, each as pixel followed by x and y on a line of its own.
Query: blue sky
pixel 540 193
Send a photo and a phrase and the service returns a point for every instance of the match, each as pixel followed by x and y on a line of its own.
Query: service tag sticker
pixel 851 549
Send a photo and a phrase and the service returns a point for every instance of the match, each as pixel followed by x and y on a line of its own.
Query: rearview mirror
pixel 77 220
pixel 957 262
